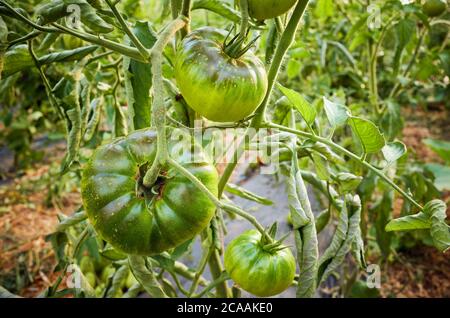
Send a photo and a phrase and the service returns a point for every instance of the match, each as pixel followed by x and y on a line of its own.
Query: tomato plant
pixel 134 97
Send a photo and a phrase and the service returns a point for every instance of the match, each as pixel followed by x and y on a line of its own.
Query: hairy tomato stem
pixel 159 107
pixel 285 42
pixel 353 156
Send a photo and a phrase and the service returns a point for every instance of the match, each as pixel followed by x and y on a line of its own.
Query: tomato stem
pixel 285 42
pixel 159 107
pixel 353 156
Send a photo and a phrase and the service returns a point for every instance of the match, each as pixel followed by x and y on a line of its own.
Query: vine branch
pixel 353 156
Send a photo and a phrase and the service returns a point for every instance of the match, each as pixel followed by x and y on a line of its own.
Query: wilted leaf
pixel 393 151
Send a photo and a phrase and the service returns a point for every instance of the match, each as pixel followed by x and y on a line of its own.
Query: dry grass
pixel 26 259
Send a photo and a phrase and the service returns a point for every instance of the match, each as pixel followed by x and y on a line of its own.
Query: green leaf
pixel 392 122
pixel 393 151
pixel 143 272
pixel 138 80
pixel 73 124
pixel 347 181
pixel 346 238
pixel 404 29
pixel 440 233
pixel 68 55
pixel 19 59
pixel 323 219
pixel 3 32
pixel 324 9
pixel 417 221
pixel 85 285
pixel 72 220
pixel 368 133
pixel 355 29
pixel 112 254
pixel 307 111
pixel 16 60
pixel 337 114
pixel 442 175
pixel 441 147
pixel 433 217
pixel 307 255
pixel 219 7
pixel 3 43
pixel 322 167
pixel 120 277
pixel 293 68
pixel 383 213
pixel 437 209
pixel 93 118
pixel 298 214
pixel 246 194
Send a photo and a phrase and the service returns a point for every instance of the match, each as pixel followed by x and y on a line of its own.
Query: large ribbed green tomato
pixel 256 270
pixel 137 220
pixel 218 87
pixel 268 9
pixel 434 8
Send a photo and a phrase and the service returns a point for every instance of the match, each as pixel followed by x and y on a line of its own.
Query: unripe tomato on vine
pixel 138 220
pixel 434 8
pixel 259 268
pixel 218 86
pixel 268 9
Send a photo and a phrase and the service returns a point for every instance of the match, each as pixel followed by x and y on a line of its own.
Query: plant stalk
pixel 159 107
pixel 353 156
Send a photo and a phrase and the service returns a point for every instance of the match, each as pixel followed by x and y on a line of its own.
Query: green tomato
pixel 71 42
pixel 268 9
pixel 218 87
pixel 138 220
pixel 91 278
pixel 106 273
pixel 434 8
pixel 130 281
pixel 256 270
pixel 87 265
pixel 99 290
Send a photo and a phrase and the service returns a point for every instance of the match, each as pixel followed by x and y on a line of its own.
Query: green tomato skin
pixel 87 265
pixel 257 271
pixel 218 87
pixel 131 220
pixel 434 8
pixel 268 9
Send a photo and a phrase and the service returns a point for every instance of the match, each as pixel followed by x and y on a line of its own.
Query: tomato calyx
pixel 270 244
pixel 150 194
pixel 235 48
